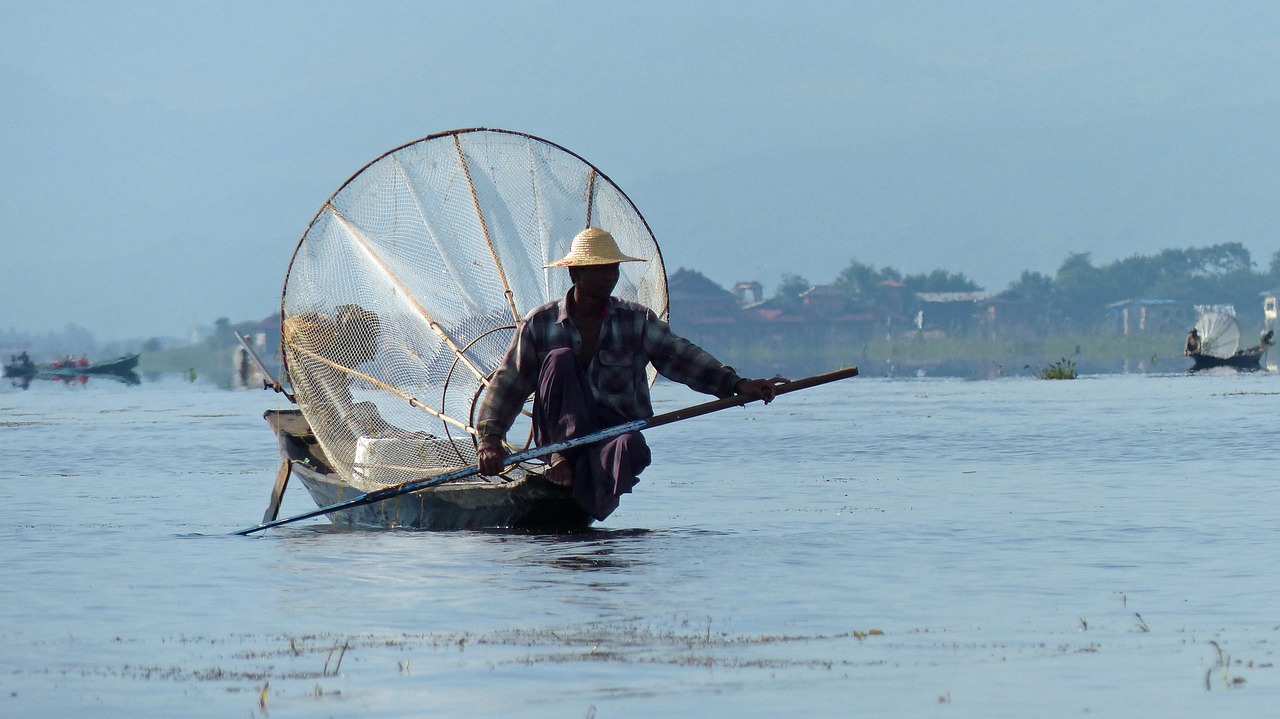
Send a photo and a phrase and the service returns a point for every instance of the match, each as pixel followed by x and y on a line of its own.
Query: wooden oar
pixel 635 425
pixel 277 491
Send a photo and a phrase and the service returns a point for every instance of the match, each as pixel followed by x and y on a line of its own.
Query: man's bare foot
pixel 560 471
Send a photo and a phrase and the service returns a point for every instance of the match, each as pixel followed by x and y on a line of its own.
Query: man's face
pixel 596 281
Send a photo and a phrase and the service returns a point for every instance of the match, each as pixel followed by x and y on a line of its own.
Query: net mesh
pixel 403 294
pixel 1219 333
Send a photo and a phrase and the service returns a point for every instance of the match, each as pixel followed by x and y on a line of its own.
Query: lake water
pixel 877 547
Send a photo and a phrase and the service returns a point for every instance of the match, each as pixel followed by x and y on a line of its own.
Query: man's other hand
pixel 765 389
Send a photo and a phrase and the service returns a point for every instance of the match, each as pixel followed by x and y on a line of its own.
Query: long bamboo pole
pixel 633 426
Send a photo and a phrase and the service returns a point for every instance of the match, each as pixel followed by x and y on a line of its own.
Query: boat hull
pixel 531 502
pixel 1246 360
pixel 122 366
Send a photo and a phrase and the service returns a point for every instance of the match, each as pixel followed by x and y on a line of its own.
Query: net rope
pixel 403 294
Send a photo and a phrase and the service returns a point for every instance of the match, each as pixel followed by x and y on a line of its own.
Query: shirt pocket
pixel 615 370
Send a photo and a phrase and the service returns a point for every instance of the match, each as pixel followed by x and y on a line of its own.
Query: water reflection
pixel 584 550
pixel 72 380
pixel 592 549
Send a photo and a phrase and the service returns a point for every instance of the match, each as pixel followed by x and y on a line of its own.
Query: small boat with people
pixel 1215 342
pixel 20 367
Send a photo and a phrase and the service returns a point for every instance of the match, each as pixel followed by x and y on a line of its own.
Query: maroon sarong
pixel 564 408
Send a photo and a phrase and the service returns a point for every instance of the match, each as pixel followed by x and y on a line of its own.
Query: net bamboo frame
pixel 405 289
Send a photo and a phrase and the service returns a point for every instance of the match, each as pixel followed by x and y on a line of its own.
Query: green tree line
pixel 1075 298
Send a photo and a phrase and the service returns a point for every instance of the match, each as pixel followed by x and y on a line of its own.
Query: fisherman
pixel 584 358
pixel 1193 343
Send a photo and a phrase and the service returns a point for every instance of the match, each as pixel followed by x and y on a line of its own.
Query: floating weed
pixel 1224 668
pixel 290 660
pixel 320 692
pixel 1062 369
pixel 342 651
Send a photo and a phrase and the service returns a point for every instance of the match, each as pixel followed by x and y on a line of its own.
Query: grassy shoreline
pixel 1115 348
pixel 968 358
pixel 930 357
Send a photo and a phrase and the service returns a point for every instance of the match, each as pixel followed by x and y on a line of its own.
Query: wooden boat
pixel 1246 359
pixel 121 369
pixel 1219 344
pixel 120 365
pixel 530 502
pixel 399 303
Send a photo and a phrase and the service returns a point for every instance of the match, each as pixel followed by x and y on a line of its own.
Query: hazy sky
pixel 161 160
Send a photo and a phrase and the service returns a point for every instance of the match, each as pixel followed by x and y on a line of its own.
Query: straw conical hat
pixel 593 246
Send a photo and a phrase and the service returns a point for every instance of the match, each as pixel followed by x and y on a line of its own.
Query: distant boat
pixel 1248 359
pixel 1220 344
pixel 23 370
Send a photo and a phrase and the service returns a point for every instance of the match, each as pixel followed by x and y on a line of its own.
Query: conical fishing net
pixel 402 296
pixel 1219 333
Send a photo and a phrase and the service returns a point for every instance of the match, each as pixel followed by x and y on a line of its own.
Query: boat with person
pixel 399 302
pixel 1215 342
pixel 20 367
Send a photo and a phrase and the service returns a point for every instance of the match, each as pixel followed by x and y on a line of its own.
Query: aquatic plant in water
pixel 1062 369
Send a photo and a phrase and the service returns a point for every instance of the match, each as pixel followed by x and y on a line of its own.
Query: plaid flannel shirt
pixel 631 338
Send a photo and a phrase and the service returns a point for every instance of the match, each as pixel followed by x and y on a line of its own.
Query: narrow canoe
pixel 529 502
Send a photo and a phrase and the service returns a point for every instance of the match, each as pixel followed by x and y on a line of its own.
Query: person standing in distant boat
pixel 1193 343
pixel 585 358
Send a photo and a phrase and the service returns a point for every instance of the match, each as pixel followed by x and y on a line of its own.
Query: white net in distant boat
pixel 1219 333
pixel 403 294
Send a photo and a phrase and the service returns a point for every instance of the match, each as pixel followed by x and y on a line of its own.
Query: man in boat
pixel 584 358
pixel 1193 343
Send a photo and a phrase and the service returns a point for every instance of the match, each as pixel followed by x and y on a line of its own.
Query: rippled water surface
pixel 1104 547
